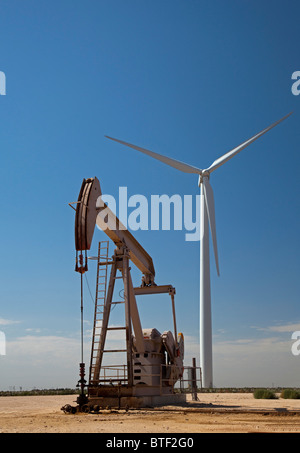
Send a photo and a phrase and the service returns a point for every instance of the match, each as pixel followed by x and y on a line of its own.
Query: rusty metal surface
pixel 86 213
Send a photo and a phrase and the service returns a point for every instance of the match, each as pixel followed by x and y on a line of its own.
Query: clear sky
pixel 189 79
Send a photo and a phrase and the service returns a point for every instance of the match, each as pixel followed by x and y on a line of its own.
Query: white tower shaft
pixel 205 298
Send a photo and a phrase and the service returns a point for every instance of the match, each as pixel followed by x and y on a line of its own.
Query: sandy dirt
pixel 217 412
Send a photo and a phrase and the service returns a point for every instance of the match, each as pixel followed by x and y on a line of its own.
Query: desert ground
pixel 212 413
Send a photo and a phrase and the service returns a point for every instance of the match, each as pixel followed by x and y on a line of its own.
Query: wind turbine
pixel 207 219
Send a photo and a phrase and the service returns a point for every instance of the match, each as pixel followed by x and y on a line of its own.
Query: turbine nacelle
pixel 204 174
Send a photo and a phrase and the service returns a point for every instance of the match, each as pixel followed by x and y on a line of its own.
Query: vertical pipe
pixel 128 317
pixel 194 381
pixel 135 318
pixel 174 318
pixel 81 310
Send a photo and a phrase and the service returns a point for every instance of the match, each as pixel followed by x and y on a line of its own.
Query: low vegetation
pixel 264 394
pixel 258 393
pixel 59 391
pixel 290 394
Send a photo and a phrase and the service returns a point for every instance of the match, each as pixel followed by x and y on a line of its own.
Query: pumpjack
pixel 154 360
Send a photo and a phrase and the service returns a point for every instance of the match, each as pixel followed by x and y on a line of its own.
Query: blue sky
pixel 189 79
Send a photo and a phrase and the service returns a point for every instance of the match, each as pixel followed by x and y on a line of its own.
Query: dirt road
pixel 219 413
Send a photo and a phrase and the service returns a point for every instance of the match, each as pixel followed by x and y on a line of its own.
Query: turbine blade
pixel 210 205
pixel 217 163
pixel 166 160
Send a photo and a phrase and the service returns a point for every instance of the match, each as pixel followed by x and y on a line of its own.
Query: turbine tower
pixel 207 221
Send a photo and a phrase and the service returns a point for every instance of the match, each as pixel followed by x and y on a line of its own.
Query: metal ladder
pixel 103 305
pixel 101 287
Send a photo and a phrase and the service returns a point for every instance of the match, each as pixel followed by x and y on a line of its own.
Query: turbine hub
pixel 204 174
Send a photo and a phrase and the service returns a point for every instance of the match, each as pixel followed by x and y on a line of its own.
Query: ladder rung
pixel 109 380
pixel 115 350
pixel 116 328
